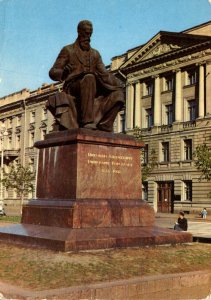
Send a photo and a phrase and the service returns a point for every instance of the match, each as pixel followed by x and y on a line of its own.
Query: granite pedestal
pixel 89 196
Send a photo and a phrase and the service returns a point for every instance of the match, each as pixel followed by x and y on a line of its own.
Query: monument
pixel 91 96
pixel 89 179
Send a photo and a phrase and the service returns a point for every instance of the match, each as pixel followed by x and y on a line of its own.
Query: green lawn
pixel 15 219
pixel 42 269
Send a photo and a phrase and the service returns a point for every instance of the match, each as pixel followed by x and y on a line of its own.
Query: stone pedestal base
pixel 65 239
pixel 89 196
pixel 89 213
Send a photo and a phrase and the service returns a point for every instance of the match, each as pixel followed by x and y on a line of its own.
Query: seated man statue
pixel 92 96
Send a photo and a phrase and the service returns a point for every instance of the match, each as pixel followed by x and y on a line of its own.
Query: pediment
pixel 162 43
pixel 160 49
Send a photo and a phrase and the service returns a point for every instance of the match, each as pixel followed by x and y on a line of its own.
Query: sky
pixel 32 32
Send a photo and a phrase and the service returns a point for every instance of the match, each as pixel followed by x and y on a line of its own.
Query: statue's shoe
pixel 91 126
pixel 104 128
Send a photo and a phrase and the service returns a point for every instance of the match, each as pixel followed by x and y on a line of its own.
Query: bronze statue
pixel 92 96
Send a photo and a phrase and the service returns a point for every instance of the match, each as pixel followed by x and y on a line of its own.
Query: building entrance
pixel 165 194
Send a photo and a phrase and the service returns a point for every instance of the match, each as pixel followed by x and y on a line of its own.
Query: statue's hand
pixel 67 70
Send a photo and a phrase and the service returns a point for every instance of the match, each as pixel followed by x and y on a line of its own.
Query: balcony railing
pixel 13 153
pixel 189 124
pixel 146 130
pixel 166 128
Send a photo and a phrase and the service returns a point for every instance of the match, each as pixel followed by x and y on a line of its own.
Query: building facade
pixel 23 121
pixel 168 97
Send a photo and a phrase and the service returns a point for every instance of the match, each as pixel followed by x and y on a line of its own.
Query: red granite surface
pixel 89 196
pixel 64 239
pixel 84 165
pixel 89 213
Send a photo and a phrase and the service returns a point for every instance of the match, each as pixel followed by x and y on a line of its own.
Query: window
pixel 169 83
pixel 165 152
pixel 44 113
pixel 31 139
pixel 31 164
pixel 9 144
pixel 169 114
pixel 188 190
pixel 10 123
pixel 149 118
pixel 122 122
pixel 145 191
pixel 18 120
pixel 43 133
pixel 145 156
pixel 191 77
pixel 17 141
pixel 6 194
pixel 188 149
pixel 14 194
pixel 148 88
pixel 32 116
pixel 191 110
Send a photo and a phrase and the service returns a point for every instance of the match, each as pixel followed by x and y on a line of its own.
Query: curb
pixel 127 289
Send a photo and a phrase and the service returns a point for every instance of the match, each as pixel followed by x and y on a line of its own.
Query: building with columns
pixel 168 96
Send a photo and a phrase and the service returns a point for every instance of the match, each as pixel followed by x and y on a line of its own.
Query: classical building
pixel 168 96
pixel 23 121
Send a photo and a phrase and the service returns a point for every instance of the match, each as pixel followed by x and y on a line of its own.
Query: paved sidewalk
pixel 200 228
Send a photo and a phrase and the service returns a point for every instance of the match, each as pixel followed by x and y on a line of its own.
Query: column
pixel 157 102
pixel 178 97
pixel 129 106
pixel 118 122
pixel 138 104
pixel 208 88
pixel 201 91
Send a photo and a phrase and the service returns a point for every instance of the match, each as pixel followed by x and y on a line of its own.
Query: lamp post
pixel 3 133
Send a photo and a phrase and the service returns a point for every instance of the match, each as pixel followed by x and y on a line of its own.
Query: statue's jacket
pixel 82 62
pixel 74 56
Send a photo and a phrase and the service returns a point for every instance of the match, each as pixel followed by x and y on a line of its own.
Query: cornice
pixel 177 64
pixel 10 106
pixel 40 94
pixel 9 113
pixel 38 98
pixel 162 43
pixel 168 55
pixel 177 70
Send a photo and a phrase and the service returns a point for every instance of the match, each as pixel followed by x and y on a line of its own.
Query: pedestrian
pixel 182 223
pixel 204 213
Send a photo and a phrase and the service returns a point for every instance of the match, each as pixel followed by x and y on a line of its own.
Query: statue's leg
pixel 110 107
pixel 63 108
pixel 87 96
pixel 106 124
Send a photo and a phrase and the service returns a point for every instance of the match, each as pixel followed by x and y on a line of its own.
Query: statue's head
pixel 85 30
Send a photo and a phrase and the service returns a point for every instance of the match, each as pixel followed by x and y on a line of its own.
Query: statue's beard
pixel 85 44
